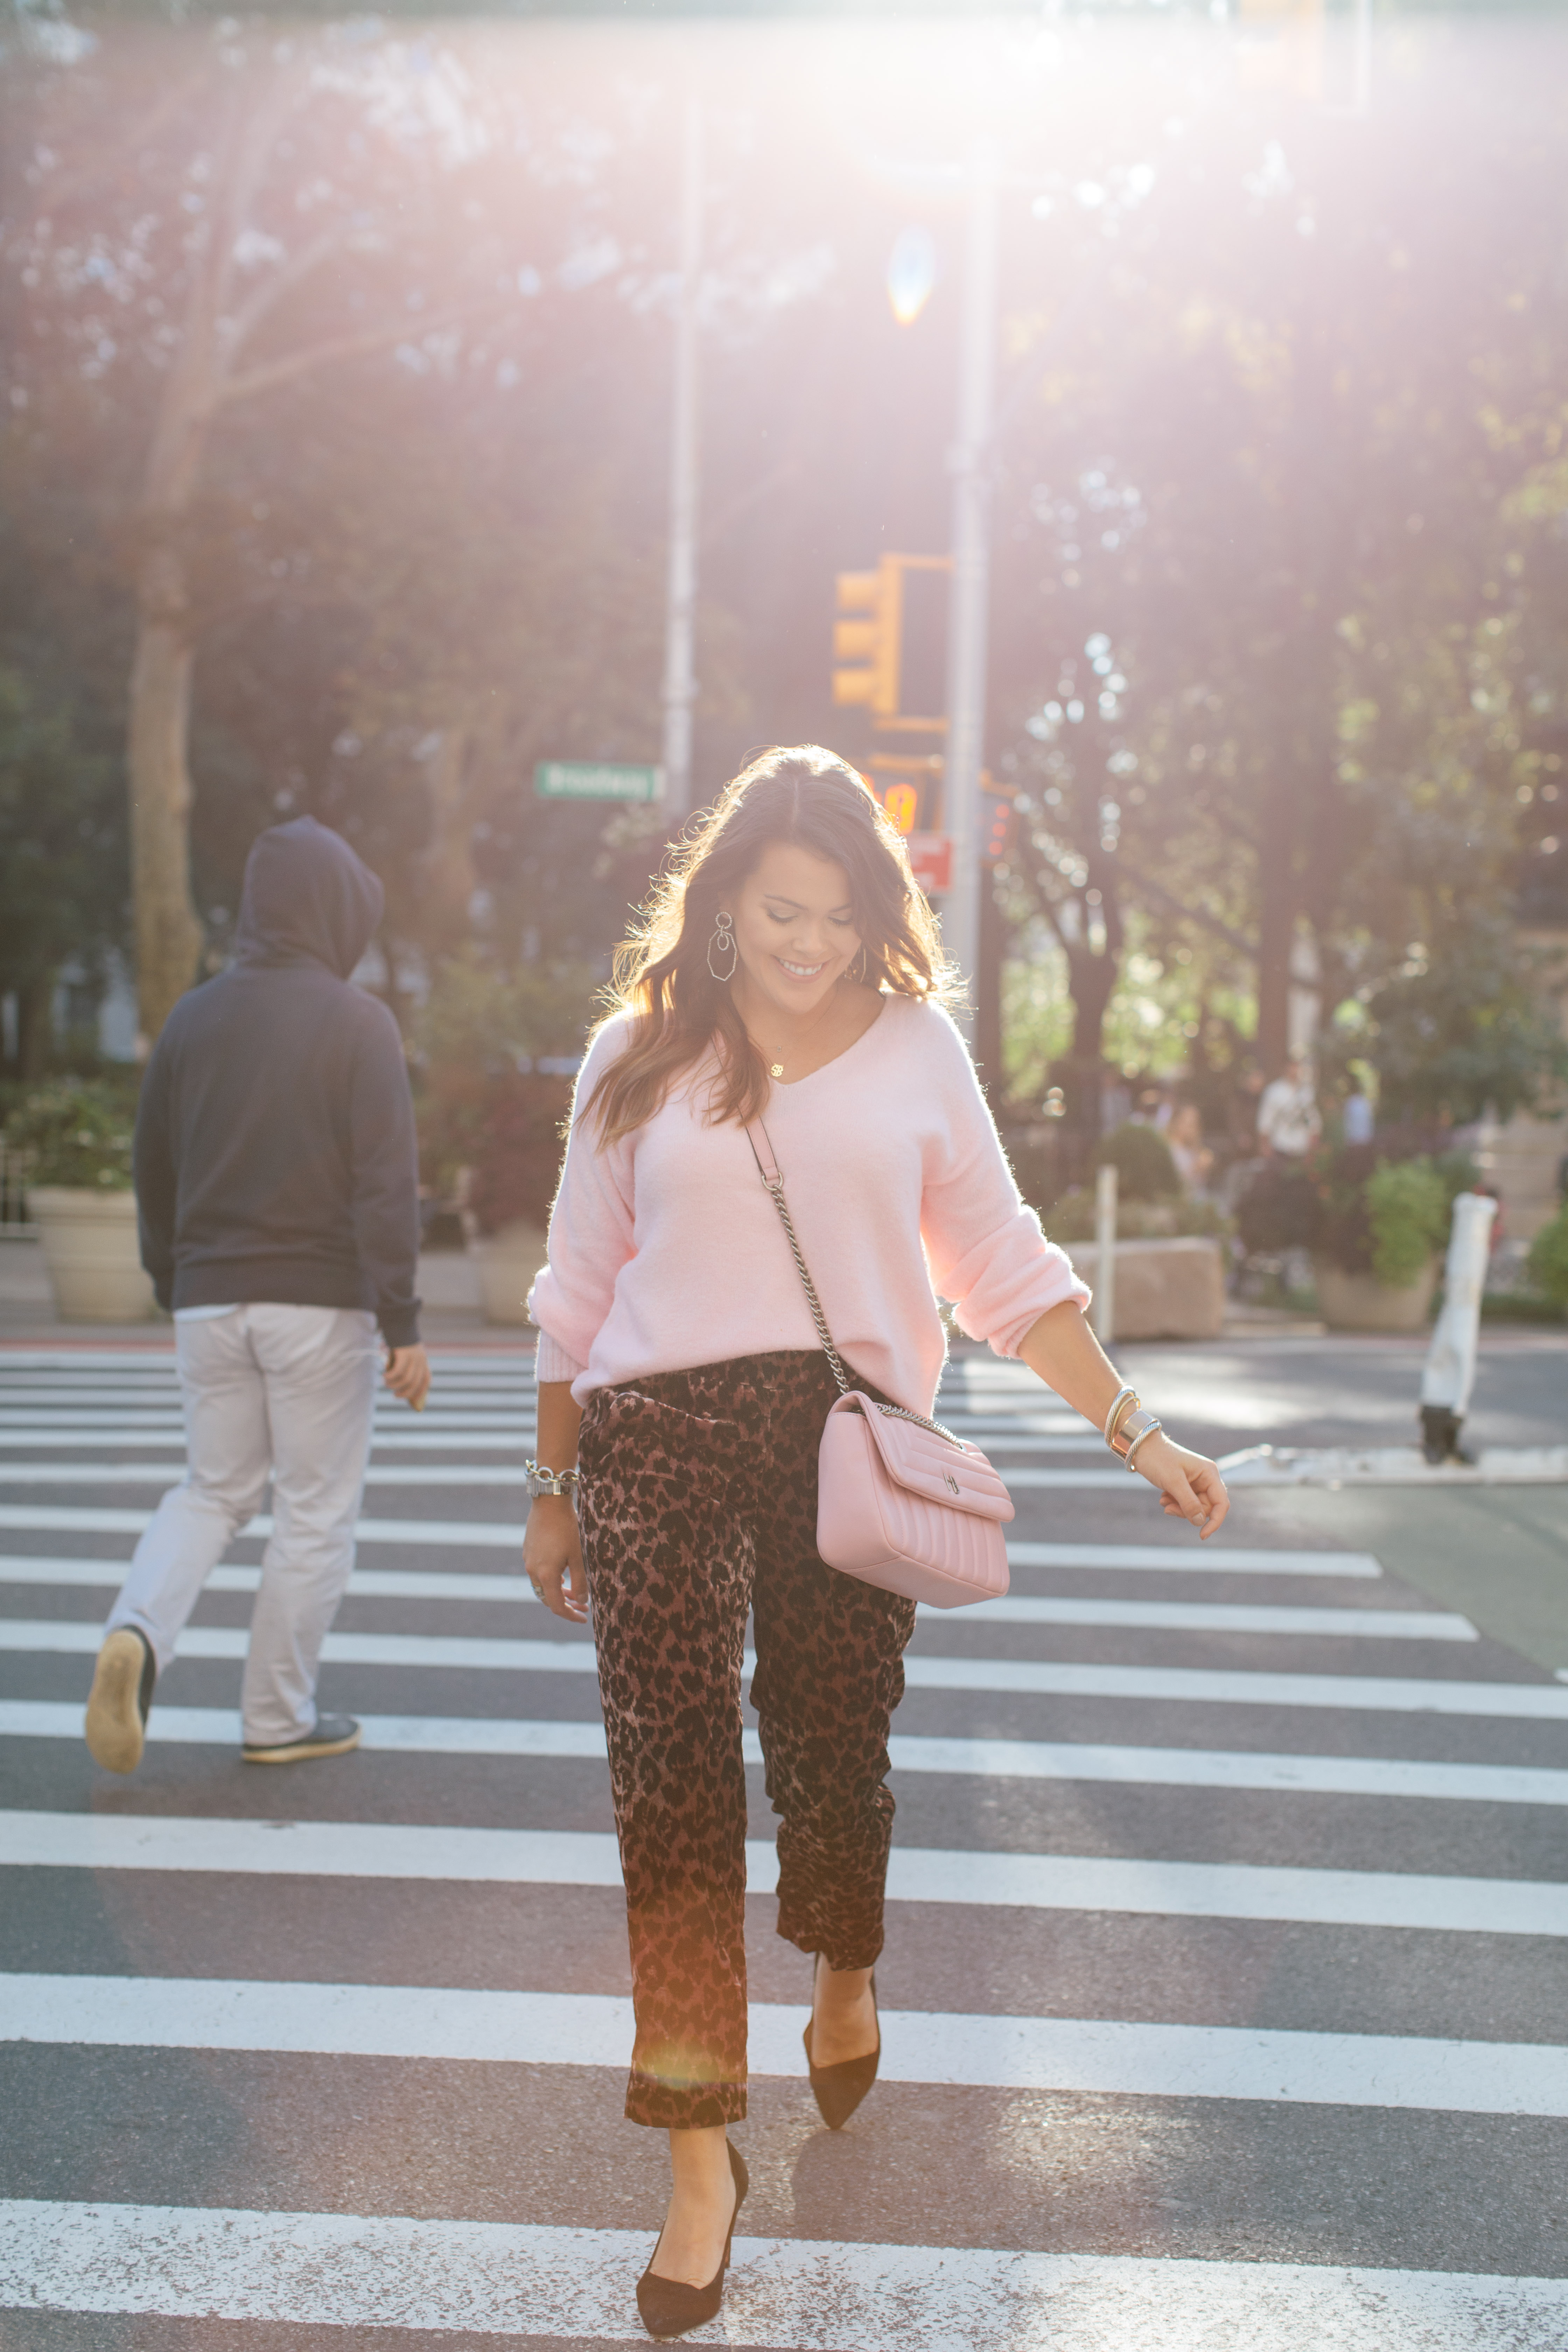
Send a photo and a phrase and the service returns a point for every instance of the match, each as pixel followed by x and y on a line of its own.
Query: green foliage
pixel 481 1016
pixel 1407 1210
pixel 480 1105
pixel 75 1133
pixel 1548 1260
pixel 1072 1219
pixel 1142 1159
pixel 1464 1028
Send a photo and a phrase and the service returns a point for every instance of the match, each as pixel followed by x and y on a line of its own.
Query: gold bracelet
pixel 1124 1401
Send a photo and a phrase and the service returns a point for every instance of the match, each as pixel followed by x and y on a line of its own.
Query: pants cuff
pixel 674 2106
pixel 838 1947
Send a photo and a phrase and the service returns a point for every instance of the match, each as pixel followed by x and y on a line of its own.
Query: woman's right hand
pixel 552 1557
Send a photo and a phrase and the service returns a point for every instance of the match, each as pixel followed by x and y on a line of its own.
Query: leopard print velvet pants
pixel 698 1502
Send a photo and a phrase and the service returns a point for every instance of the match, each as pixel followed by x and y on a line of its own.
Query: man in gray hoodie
pixel 277 1183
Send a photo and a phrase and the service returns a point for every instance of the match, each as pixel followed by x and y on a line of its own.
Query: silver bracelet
pixel 1117 1401
pixel 1132 1452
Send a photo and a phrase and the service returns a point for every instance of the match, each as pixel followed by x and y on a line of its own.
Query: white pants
pixel 1450 1374
pixel 287 1391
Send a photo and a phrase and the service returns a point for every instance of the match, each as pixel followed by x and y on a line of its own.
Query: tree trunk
pixel 168 934
pixel 1277 896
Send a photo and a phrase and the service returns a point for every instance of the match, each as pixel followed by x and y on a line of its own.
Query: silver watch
pixel 542 1480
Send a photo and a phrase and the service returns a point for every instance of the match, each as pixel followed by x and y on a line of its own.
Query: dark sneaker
pixel 334 1735
pixel 122 1681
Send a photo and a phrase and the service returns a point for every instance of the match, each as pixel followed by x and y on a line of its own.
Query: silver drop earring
pixel 723 938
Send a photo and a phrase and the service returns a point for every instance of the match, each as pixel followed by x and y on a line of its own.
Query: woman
pixel 1192 1158
pixel 789 968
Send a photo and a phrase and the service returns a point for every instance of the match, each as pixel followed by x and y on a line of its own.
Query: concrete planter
pixel 507 1263
pixel 1358 1302
pixel 1171 1289
pixel 90 1250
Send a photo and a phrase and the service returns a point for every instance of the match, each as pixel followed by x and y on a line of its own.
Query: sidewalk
pixel 447 1284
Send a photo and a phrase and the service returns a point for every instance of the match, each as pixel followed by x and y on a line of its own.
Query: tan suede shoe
pixel 121 1694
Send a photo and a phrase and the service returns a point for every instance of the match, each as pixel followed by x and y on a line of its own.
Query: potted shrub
pixel 1379 1226
pixel 75 1137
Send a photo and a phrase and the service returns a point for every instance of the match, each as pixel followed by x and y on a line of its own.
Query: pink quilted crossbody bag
pixel 901 1502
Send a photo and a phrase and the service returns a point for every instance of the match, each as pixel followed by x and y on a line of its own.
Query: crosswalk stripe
pixel 167 1474
pixel 87 1519
pixel 489 1535
pixel 1201 1559
pixel 1168 1616
pixel 102 1422
pixel 400 1437
pixel 1002 1760
pixel 564 1657
pixel 1201 1685
pixel 1106 2056
pixel 1050 1881
pixel 528 2281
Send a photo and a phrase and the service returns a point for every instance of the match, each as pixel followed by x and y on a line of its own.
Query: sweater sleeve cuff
pixel 552 1362
pixel 400 1325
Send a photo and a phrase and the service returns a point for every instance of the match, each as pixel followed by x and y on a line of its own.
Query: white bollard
pixel 1102 1313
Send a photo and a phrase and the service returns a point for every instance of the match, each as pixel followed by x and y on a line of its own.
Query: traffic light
pixel 868 648
pixel 874 645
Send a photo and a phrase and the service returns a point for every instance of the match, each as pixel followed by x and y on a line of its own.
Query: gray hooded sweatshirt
pixel 275 1147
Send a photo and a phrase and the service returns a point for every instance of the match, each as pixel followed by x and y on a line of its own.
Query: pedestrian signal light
pixel 869 646
pixel 902 803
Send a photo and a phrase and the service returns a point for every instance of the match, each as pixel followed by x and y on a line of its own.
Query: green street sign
pixel 593 780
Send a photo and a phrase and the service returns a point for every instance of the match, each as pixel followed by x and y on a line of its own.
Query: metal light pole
pixel 971 578
pixel 681 601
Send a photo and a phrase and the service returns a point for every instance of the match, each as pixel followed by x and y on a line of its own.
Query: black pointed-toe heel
pixel 839 2090
pixel 669 2307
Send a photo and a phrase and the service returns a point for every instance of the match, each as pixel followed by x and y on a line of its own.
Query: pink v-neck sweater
pixel 666 1251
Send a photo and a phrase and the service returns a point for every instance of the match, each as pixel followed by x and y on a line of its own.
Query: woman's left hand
pixel 1190 1486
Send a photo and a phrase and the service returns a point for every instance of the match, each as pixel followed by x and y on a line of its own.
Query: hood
pixel 307 897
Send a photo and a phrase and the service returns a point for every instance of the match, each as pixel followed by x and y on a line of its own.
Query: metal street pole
pixel 971 579
pixel 1360 101
pixel 680 602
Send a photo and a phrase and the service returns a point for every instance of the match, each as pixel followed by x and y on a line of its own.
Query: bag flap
pixel 933 1467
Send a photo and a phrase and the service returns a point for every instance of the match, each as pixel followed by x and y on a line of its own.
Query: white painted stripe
pixel 403 1438
pixel 560 1657
pixel 417 1735
pixel 165 1474
pixel 62 1518
pixel 1175 1616
pixel 1003 1760
pixel 524 2282
pixel 1342 1898
pixel 104 1418
pixel 1224 1617
pixel 530 2282
pixel 1391 1466
pixel 1107 2056
pixel 1206 1687
pixel 364 1584
pixel 1191 1558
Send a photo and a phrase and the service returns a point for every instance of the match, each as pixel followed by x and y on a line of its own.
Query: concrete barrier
pixel 1167 1289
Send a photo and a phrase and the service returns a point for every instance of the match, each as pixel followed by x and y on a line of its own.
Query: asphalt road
pixel 1222 1995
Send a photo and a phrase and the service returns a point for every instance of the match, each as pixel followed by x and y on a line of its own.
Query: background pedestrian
pixel 277 1184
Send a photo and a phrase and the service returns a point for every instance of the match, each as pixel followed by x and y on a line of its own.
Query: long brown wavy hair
pixel 679 1011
